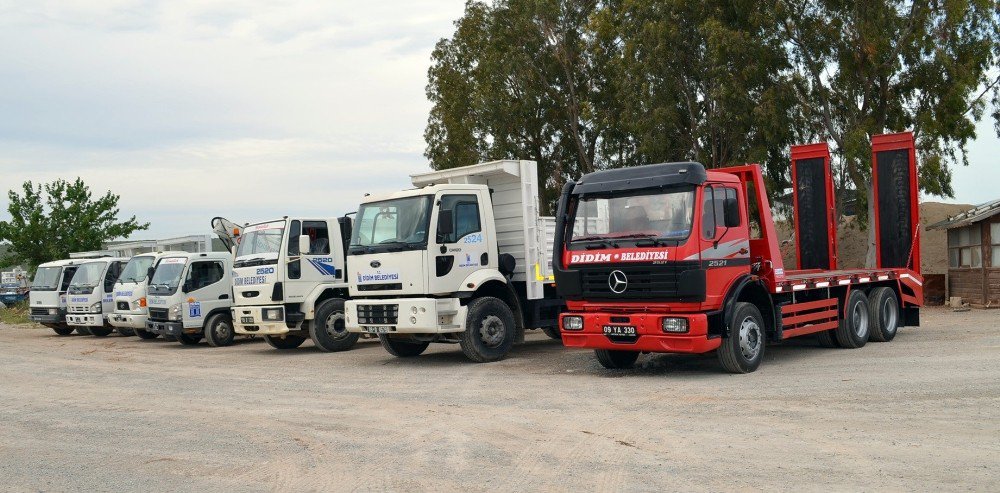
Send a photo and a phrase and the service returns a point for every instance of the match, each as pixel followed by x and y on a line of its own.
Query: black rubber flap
pixel 812 235
pixel 892 196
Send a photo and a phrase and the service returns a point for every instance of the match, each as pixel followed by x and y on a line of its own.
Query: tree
pixel 65 218
pixel 865 67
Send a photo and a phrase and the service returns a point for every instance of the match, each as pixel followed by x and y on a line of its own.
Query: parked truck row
pixel 664 258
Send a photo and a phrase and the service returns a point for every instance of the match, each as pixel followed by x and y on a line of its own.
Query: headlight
pixel 175 311
pixel 272 314
pixel 675 325
pixel 95 308
pixel 572 322
pixel 53 311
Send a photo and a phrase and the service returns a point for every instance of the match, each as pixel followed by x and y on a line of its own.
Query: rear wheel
pixel 854 326
pixel 553 332
pixel 827 338
pixel 63 331
pixel 219 330
pixel 189 339
pixel 743 350
pixel 616 360
pixel 328 331
pixel 489 330
pixel 145 334
pixel 289 341
pixel 125 331
pixel 100 331
pixel 402 348
pixel 884 314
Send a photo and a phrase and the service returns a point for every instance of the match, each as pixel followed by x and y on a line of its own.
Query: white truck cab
pixel 289 281
pixel 90 297
pixel 130 298
pixel 47 298
pixel 462 258
pixel 189 296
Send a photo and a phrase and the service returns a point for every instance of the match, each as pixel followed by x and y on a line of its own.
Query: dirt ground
pixel 81 413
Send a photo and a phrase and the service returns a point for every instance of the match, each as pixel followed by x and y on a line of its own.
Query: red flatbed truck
pixel 671 258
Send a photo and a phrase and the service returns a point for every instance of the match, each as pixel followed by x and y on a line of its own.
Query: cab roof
pixel 651 176
pixel 426 190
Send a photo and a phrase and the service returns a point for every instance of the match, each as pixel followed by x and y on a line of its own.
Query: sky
pixel 251 110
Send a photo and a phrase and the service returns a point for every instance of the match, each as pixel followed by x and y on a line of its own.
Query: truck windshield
pixel 262 240
pixel 396 224
pixel 136 269
pixel 46 279
pixel 87 277
pixel 659 215
pixel 167 276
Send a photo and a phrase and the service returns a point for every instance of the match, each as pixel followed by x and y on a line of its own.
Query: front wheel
pixel 328 331
pixel 553 333
pixel 145 334
pixel 100 331
pixel 84 331
pixel 616 360
pixel 219 330
pixel 63 331
pixel 743 350
pixel 489 330
pixel 189 339
pixel 287 342
pixel 125 331
pixel 402 348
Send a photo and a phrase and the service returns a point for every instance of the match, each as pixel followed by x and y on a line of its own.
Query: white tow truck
pixel 189 297
pixel 90 297
pixel 130 294
pixel 289 281
pixel 47 298
pixel 463 258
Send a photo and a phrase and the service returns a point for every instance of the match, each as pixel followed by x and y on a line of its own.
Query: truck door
pixel 461 244
pixel 725 239
pixel 204 285
pixel 317 266
pixel 110 278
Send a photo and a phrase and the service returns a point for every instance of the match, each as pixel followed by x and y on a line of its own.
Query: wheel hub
pixel 750 338
pixel 492 331
pixel 889 315
pixel 860 315
pixel 223 330
pixel 335 327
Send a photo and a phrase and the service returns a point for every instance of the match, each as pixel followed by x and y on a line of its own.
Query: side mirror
pixel 446 223
pixel 304 245
pixel 731 213
pixel 186 287
pixel 149 273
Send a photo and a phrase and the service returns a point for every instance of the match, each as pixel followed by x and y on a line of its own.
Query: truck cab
pixel 460 259
pixel 130 295
pixel 47 298
pixel 289 282
pixel 13 286
pixel 90 297
pixel 189 298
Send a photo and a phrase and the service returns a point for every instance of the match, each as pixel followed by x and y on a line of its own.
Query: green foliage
pixel 65 218
pixel 15 314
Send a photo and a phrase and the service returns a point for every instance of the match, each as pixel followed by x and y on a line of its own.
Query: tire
pixel 553 333
pixel 616 360
pixel 855 324
pixel 63 331
pixel 883 315
pixel 743 350
pixel 288 342
pixel 169 338
pixel 100 331
pixel 489 330
pixel 145 334
pixel 328 331
pixel 125 331
pixel 402 348
pixel 827 339
pixel 189 339
pixel 84 331
pixel 219 330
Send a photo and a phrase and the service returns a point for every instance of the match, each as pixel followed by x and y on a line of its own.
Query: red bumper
pixel 648 327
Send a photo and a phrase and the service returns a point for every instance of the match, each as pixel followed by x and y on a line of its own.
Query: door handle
pixel 223 296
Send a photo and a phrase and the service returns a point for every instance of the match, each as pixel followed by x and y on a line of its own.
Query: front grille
pixel 380 287
pixel 122 305
pixel 158 314
pixel 79 309
pixel 378 314
pixel 39 311
pixel 643 281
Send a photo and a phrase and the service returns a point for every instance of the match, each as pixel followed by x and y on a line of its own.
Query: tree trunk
pixel 870 258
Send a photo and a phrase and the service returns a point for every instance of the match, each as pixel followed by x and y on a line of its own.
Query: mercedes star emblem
pixel 617 282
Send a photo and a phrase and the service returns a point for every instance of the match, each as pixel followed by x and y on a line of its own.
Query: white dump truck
pixel 47 298
pixel 189 298
pixel 90 297
pixel 130 294
pixel 462 258
pixel 289 281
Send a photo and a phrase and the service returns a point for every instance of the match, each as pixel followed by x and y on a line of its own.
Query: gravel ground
pixel 82 413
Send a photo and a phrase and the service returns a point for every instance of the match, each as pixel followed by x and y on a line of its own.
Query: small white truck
pixel 130 294
pixel 47 298
pixel 189 297
pixel 462 258
pixel 289 281
pixel 90 297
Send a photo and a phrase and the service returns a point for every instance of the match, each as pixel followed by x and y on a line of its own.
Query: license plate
pixel 377 330
pixel 246 320
pixel 619 330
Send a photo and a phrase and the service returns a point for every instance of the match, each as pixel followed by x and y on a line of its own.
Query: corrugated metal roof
pixel 975 214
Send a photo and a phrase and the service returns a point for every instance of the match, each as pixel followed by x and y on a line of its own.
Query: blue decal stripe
pixel 325 269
